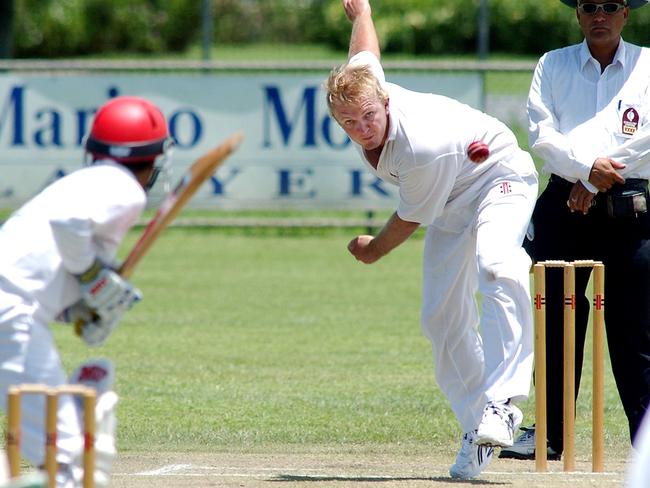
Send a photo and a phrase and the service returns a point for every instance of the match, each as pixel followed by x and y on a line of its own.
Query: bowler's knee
pixel 513 266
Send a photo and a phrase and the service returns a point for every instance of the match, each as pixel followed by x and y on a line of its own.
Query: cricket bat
pixel 173 203
pixel 202 169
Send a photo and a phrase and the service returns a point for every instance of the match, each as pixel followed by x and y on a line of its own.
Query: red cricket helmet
pixel 128 129
pixel 131 131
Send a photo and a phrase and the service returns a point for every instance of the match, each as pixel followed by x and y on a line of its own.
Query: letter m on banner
pixel 275 110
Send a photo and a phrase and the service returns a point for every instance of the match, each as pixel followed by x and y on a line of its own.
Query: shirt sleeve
pixel 635 152
pixel 544 133
pixel 97 228
pixel 73 237
pixel 369 59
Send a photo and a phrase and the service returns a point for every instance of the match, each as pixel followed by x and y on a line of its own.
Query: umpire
pixel 589 120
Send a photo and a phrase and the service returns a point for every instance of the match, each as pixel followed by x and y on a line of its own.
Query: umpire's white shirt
pixel 56 234
pixel 577 114
pixel 477 215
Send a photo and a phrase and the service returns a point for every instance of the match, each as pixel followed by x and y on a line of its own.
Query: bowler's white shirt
pixel 576 112
pixel 425 153
pixel 59 233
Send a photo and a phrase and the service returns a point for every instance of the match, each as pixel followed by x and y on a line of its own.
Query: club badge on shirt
pixel 630 122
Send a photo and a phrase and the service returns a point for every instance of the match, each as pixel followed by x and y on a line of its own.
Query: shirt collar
pixel 619 57
pixel 585 54
pixel 392 123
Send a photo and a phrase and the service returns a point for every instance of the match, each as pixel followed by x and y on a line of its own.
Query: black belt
pixel 629 183
pixel 622 201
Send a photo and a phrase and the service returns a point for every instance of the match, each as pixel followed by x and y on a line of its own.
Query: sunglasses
pixel 608 8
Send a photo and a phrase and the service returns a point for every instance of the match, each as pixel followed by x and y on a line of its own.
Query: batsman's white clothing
pixel 477 216
pixel 60 232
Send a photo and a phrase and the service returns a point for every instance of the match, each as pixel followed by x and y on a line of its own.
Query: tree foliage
pixel 63 28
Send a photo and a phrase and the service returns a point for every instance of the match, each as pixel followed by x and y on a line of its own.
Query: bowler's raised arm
pixel 363 36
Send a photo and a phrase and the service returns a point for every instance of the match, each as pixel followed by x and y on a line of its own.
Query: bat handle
pixel 78 326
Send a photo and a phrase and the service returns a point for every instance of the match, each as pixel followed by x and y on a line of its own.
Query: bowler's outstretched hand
pixel 361 249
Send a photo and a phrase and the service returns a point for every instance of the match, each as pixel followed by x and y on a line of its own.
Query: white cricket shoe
pixel 524 447
pixel 36 479
pixel 498 425
pixel 471 459
pixel 67 478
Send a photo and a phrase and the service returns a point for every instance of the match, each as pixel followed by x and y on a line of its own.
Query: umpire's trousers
pixel 623 244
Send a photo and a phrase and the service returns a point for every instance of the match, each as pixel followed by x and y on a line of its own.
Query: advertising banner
pixel 294 154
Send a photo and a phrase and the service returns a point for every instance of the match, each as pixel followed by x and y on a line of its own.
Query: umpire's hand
pixel 604 173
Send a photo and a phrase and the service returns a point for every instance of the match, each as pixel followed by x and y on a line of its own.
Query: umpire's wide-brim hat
pixel 631 3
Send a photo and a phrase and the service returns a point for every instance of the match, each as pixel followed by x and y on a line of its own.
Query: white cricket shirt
pixel 425 153
pixel 60 232
pixel 577 114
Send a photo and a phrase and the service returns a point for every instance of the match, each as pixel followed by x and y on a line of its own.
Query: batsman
pixel 57 257
pixel 476 206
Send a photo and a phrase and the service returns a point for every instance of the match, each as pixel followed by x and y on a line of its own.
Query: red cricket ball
pixel 478 151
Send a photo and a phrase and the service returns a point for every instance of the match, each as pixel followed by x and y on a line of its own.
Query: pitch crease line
pixel 567 474
pixel 170 468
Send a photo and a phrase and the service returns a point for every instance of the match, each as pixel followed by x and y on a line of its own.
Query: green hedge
pixel 62 28
pixel 529 27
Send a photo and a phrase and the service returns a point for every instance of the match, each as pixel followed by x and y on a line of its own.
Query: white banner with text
pixel 294 154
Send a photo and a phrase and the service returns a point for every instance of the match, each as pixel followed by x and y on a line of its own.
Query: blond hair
pixel 349 84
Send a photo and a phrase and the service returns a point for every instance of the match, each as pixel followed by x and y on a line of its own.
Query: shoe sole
pixel 492 442
pixel 526 457
pixel 516 455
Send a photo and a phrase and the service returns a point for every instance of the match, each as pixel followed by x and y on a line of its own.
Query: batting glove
pixel 87 323
pixel 96 332
pixel 106 292
pixel 78 312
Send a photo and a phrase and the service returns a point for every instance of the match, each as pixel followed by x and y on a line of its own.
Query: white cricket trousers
pixel 28 355
pixel 486 356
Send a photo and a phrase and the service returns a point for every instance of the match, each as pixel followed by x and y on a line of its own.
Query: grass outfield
pixel 258 342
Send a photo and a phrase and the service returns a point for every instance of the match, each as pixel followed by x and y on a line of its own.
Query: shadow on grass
pixel 380 479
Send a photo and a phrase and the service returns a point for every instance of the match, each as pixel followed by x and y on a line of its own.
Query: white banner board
pixel 294 154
